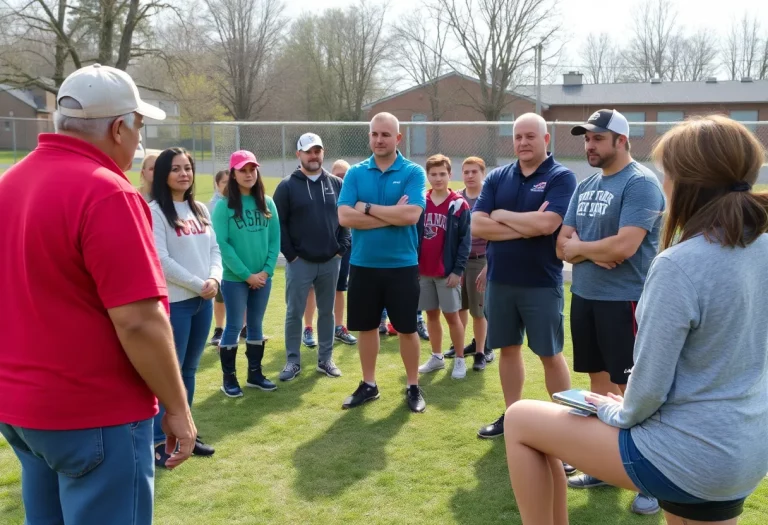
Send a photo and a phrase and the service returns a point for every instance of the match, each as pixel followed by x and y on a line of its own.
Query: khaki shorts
pixel 435 295
pixel 471 299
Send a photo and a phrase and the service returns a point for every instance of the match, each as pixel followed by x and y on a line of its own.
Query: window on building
pixel 637 130
pixel 506 130
pixel 746 115
pixel 668 116
pixel 171 108
pixel 7 125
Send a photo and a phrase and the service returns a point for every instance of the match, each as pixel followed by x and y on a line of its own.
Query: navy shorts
pixel 672 498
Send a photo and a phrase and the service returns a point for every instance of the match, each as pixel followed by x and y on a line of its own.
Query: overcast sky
pixel 613 16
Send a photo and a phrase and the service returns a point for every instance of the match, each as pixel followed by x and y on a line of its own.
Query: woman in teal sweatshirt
pixel 248 232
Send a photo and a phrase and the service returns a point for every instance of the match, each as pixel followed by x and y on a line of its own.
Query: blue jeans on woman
pixel 239 300
pixel 191 323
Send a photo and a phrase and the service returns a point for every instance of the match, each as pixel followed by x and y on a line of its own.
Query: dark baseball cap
pixel 602 121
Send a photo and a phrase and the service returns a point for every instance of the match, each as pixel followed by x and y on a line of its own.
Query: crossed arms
pixel 401 214
pixel 503 225
pixel 607 252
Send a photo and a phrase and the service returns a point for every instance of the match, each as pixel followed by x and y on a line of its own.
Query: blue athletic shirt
pixel 390 246
pixel 533 262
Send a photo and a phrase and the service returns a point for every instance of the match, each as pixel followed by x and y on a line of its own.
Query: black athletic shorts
pixel 603 334
pixel 373 289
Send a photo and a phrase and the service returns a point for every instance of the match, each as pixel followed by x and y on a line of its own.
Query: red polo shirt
pixel 77 240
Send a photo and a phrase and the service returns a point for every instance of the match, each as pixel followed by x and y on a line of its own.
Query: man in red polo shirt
pixel 82 282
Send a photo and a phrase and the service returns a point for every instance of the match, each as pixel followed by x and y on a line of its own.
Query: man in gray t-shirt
pixel 610 234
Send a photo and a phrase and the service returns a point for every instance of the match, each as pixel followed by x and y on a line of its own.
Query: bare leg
pixel 409 352
pixel 218 314
pixel 512 373
pixel 480 326
pixel 368 346
pixel 457 332
pixel 676 520
pixel 556 374
pixel 435 330
pixel 309 310
pixel 464 316
pixel 600 383
pixel 338 309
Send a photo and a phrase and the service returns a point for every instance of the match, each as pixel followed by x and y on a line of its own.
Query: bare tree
pixel 654 38
pixel 763 74
pixel 247 34
pixel 496 38
pixel 603 59
pixel 741 52
pixel 698 58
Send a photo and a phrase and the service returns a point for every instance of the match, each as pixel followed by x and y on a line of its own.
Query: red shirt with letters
pixel 77 240
pixel 435 222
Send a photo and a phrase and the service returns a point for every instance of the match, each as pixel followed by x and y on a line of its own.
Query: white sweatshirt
pixel 189 255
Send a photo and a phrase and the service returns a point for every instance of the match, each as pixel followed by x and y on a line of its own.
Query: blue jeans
pixel 96 475
pixel 191 322
pixel 240 300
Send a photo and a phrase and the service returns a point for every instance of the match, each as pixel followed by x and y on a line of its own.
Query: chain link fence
pixel 274 143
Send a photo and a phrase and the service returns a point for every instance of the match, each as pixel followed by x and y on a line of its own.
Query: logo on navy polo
pixel 539 187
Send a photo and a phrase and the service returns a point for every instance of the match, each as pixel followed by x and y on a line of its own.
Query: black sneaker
pixel 470 349
pixel 363 394
pixel 230 386
pixel 202 449
pixel 421 329
pixel 479 365
pixel 216 339
pixel 415 399
pixel 493 430
pixel 451 353
pixel 257 380
pixel 569 469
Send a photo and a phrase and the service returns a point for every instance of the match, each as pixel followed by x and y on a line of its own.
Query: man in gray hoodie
pixel 313 244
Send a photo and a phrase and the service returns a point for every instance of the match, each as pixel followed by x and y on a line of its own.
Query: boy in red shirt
pixel 443 257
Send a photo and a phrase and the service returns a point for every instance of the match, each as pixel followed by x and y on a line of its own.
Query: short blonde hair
pixel 474 160
pixel 438 160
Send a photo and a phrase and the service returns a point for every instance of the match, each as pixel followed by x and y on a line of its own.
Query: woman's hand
pixel 210 289
pixel 254 282
pixel 600 400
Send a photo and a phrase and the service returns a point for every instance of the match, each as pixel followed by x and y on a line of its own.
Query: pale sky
pixel 614 17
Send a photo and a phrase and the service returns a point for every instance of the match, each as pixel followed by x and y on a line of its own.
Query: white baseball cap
pixel 308 141
pixel 102 92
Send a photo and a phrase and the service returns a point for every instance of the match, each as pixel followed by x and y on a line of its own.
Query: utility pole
pixel 539 53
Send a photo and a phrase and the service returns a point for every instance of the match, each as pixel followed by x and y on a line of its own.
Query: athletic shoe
pixel 569 469
pixel 383 327
pixel 421 328
pixel 290 371
pixel 343 335
pixel 391 329
pixel 585 481
pixel 256 379
pixel 216 339
pixel 479 364
pixel 363 394
pixel 433 364
pixel 470 349
pixel 459 368
pixel 493 430
pixel 328 368
pixel 231 387
pixel 309 338
pixel 415 399
pixel 645 505
pixel 202 449
pixel 489 355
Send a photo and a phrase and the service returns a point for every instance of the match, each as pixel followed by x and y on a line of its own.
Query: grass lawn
pixel 293 456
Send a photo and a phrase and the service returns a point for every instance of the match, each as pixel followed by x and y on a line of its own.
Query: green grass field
pixel 293 456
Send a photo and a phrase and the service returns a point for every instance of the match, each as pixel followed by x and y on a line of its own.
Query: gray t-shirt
pixel 598 209
pixel 697 398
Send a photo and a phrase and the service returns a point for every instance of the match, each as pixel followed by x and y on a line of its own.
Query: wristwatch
pixel 367 208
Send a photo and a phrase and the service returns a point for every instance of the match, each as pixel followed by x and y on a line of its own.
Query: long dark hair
pixel 235 198
pixel 161 192
pixel 712 162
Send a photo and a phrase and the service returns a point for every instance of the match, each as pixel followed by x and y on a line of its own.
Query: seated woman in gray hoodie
pixel 690 430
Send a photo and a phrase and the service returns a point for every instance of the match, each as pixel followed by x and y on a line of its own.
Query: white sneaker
pixel 459 368
pixel 434 363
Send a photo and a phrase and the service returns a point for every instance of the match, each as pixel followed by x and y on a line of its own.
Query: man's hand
pixel 210 289
pixel 453 281
pixel 360 206
pixel 608 265
pixel 481 280
pixel 571 247
pixel 179 430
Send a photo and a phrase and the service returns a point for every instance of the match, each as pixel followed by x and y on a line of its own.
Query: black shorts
pixel 341 284
pixel 603 334
pixel 373 289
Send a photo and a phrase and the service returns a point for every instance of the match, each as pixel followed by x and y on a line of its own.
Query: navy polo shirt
pixel 530 262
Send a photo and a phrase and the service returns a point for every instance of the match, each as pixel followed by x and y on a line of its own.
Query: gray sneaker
pixel 645 505
pixel 459 368
pixel 328 368
pixel 290 371
pixel 435 363
pixel 585 481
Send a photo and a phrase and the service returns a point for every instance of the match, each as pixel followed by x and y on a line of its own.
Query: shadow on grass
pixel 603 506
pixel 349 451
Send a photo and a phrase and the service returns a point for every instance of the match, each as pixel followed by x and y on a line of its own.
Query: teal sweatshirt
pixel 249 244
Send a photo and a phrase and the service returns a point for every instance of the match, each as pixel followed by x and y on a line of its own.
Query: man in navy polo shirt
pixel 382 201
pixel 520 210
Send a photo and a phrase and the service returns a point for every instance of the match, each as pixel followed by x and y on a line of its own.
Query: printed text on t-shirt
pixel 594 203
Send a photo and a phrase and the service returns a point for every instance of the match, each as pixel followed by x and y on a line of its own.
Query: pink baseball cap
pixel 240 158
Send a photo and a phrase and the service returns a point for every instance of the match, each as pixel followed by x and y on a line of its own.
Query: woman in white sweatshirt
pixel 191 260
